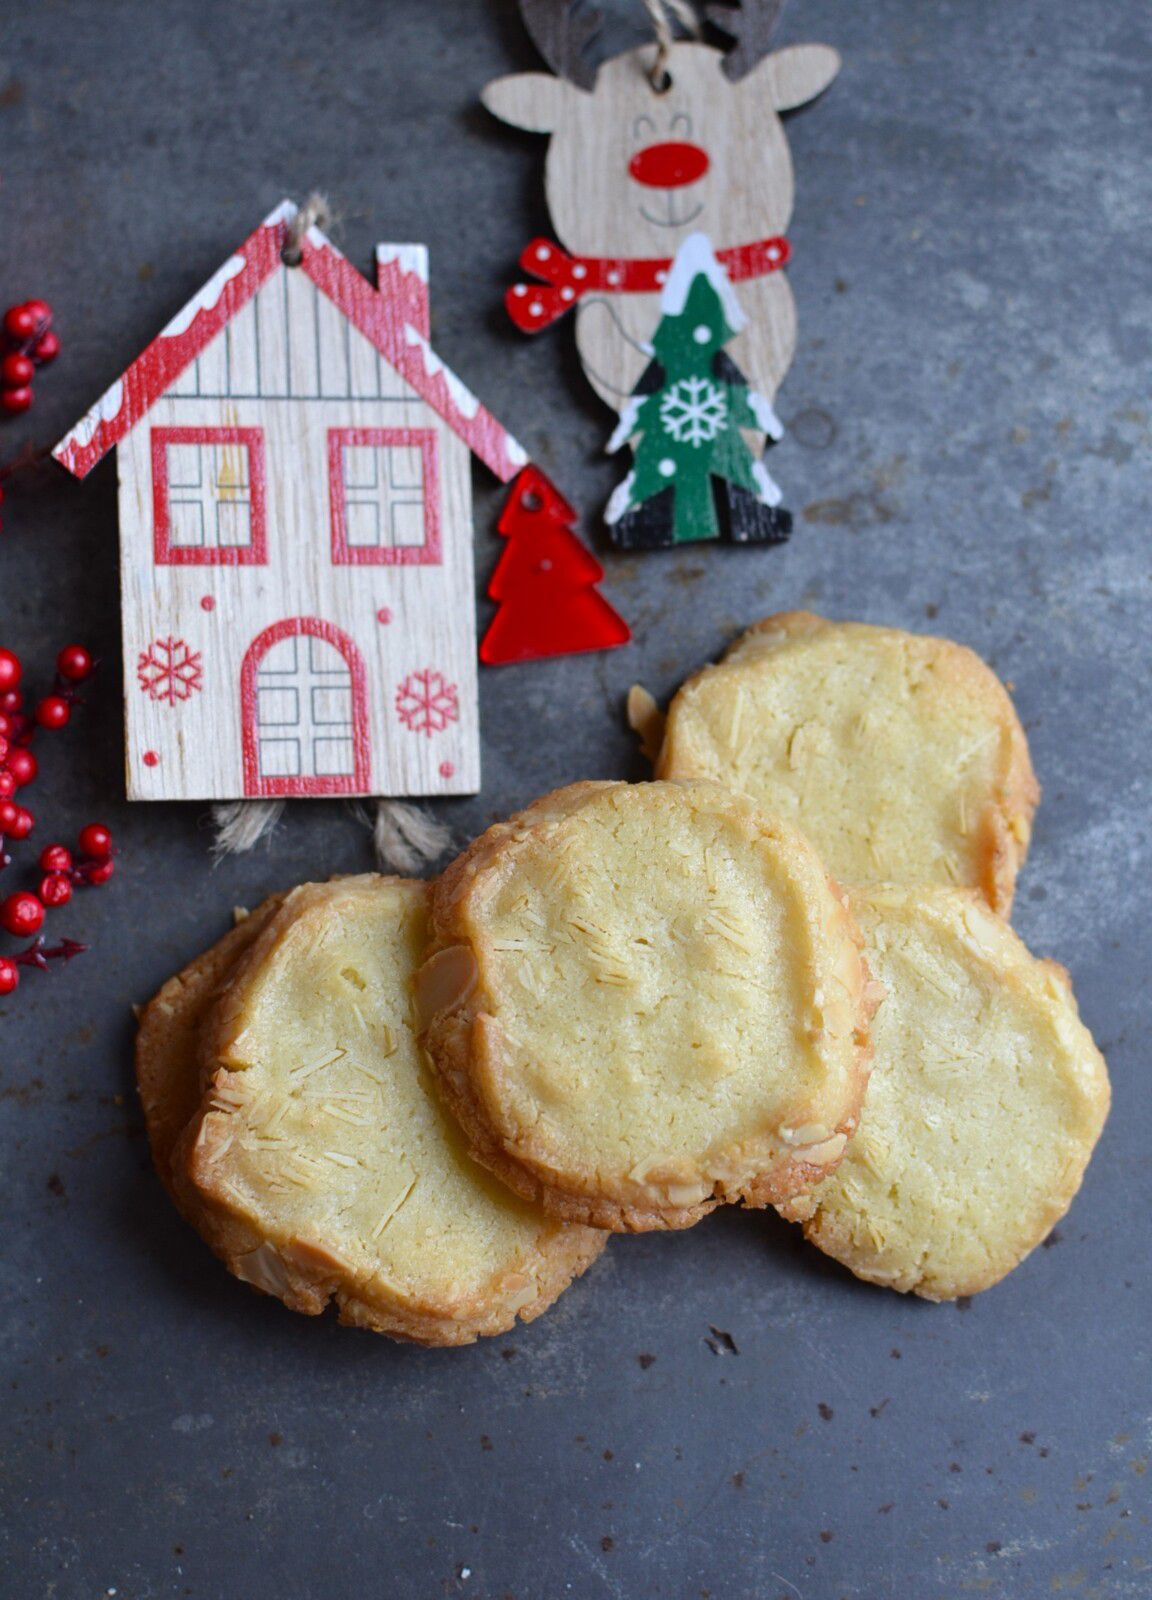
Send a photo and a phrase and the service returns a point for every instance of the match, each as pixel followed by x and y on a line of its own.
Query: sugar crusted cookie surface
pixel 986 1099
pixel 900 756
pixel 327 1165
pixel 644 1000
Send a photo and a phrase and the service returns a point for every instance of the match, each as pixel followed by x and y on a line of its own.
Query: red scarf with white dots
pixel 567 279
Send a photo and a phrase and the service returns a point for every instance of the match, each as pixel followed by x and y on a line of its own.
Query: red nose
pixel 669 166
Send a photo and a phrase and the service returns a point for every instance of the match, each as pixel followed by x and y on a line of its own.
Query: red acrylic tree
pixel 545 582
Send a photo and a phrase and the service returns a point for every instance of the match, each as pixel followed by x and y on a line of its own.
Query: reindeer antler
pixel 562 30
pixel 752 25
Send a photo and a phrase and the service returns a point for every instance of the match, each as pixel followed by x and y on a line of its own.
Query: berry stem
pixel 38 954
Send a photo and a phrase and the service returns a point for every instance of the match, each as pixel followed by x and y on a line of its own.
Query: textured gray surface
pixel 969 452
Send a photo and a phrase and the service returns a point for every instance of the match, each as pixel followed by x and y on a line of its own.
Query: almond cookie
pixel 645 999
pixel 324 1164
pixel 168 1045
pixel 986 1099
pixel 900 756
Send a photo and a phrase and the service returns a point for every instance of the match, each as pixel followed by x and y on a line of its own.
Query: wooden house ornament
pixel 296 534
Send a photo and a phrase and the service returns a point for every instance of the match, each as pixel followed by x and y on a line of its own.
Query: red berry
pixel 40 310
pixel 9 811
pixel 21 322
pixel 14 401
pixel 23 766
pixel 55 889
pixel 46 348
pixel 56 858
pixel 96 841
pixel 101 871
pixel 11 671
pixel 4 749
pixel 10 699
pixel 5 725
pixel 9 975
pixel 7 784
pixel 53 712
pixel 16 370
pixel 22 824
pixel 21 914
pixel 74 663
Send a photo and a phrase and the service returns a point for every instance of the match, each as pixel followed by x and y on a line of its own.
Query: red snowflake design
pixel 169 670
pixel 426 702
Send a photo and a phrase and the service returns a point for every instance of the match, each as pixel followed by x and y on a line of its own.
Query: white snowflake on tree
pixel 170 670
pixel 426 702
pixel 694 411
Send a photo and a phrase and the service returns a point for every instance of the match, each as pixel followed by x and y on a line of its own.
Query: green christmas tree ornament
pixel 695 476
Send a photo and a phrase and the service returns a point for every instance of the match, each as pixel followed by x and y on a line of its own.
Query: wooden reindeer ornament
pixel 667 140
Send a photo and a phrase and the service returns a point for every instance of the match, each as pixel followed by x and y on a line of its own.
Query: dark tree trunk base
pixel 743 520
pixel 746 520
pixel 648 526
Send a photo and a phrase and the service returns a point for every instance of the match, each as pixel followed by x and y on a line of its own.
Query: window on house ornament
pixel 385 492
pixel 208 491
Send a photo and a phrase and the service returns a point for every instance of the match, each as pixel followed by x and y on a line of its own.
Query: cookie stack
pixel 779 974
pixel 293 1120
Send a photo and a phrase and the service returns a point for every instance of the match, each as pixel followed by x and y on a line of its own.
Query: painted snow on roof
pixel 695 257
pixel 381 318
pixel 402 272
pixel 105 409
pixel 207 298
pixel 408 257
pixel 462 397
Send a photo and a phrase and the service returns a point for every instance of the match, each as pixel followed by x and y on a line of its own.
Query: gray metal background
pixel 969 452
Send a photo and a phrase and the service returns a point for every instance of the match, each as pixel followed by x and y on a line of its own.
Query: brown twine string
pixel 315 212
pixel 663 13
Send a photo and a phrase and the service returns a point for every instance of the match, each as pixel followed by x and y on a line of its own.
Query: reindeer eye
pixel 643 128
pixel 683 122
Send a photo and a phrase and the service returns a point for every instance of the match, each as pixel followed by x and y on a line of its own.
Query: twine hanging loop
pixel 663 14
pixel 314 213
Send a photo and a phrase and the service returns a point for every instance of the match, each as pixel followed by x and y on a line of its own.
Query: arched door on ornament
pixel 304 707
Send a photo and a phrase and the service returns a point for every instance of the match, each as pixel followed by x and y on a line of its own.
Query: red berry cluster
pixel 29 343
pixel 22 913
